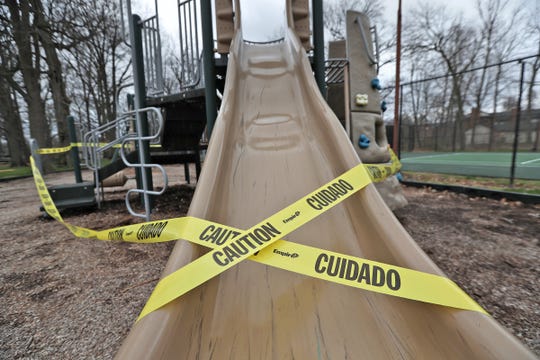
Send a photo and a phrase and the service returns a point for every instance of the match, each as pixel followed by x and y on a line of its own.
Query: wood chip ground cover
pixel 63 297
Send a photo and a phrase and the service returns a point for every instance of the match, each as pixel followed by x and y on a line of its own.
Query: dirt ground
pixel 65 298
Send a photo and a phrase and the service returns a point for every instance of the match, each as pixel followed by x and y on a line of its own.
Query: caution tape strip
pixel 117 234
pixel 60 150
pixel 302 259
pixel 255 238
pixel 323 264
pixel 379 172
pixel 50 207
pixel 336 267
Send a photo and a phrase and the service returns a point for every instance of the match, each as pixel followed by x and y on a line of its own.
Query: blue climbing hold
pixel 363 141
pixel 376 84
pixel 383 106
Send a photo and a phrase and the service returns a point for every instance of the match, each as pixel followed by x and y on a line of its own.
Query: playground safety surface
pixel 64 297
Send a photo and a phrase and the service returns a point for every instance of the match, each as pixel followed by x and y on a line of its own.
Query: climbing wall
pixel 367 127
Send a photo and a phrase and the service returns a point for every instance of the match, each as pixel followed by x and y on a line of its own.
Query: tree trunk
pixel 18 149
pixel 55 73
pixel 23 34
pixel 456 126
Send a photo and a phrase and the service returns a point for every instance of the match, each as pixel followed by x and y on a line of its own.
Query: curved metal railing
pixel 97 141
pixel 145 191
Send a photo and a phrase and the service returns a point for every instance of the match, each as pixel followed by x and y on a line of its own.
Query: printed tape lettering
pixel 323 264
pixel 251 241
pixel 335 267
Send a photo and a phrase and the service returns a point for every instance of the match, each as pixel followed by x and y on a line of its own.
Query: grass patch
pixel 500 184
pixel 7 172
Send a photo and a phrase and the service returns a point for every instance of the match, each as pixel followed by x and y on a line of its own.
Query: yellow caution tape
pixel 48 151
pixel 379 172
pixel 342 269
pixel 323 264
pixel 50 208
pixel 256 238
pixel 302 259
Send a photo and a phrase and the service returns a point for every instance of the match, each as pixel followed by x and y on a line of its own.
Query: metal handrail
pixel 94 149
pixel 128 8
pixel 152 55
pixel 152 47
pixel 190 46
pixel 145 192
pixel 373 58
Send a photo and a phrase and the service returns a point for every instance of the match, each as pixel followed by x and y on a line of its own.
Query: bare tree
pixel 59 50
pixel 335 22
pixel 98 65
pixel 497 42
pixel 55 73
pixel 20 19
pixel 418 93
pixel 172 66
pixel 9 108
pixel 533 31
pixel 335 14
pixel 456 46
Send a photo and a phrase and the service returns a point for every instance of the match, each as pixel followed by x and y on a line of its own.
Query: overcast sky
pixel 264 15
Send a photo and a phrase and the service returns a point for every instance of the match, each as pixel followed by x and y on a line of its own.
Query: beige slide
pixel 275 141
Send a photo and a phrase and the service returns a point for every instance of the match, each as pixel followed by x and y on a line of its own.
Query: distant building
pixel 479 127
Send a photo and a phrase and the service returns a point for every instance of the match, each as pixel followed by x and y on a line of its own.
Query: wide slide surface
pixel 275 141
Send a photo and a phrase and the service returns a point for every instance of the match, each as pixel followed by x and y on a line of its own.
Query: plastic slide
pixel 275 141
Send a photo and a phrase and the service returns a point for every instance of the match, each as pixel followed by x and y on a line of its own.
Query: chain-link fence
pixel 468 122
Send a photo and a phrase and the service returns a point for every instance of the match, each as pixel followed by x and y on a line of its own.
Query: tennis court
pixel 492 164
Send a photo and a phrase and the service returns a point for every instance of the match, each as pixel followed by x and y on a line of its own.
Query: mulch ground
pixel 63 297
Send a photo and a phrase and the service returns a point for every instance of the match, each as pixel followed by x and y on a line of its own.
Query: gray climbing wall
pixel 367 127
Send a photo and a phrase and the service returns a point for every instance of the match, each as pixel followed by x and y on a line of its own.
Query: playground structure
pixel 157 129
pixel 353 95
pixel 127 147
pixel 177 121
pixel 274 141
